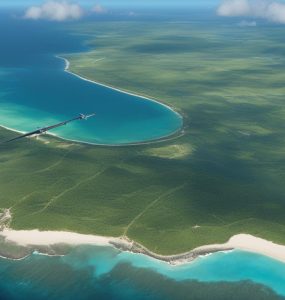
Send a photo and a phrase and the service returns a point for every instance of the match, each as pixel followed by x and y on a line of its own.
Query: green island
pixel 223 176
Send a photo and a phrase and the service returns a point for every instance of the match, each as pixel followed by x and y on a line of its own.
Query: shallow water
pixel 106 273
pixel 36 92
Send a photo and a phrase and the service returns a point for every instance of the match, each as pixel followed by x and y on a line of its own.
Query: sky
pixel 61 10
pixel 132 3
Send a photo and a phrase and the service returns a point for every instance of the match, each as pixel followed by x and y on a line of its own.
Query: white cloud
pixel 54 11
pixel 276 12
pixel 234 8
pixel 267 9
pixel 99 9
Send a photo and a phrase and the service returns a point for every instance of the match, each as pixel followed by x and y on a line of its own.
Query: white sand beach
pixel 243 242
pixel 251 243
pixel 47 238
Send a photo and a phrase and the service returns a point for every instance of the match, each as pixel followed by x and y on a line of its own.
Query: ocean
pixel 90 272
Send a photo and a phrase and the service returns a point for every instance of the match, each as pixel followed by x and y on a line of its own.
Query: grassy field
pixel 224 176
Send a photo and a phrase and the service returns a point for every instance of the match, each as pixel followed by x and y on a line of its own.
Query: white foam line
pixel 12 129
pixel 15 259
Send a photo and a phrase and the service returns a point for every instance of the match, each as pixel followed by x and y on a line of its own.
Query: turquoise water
pixel 106 273
pixel 36 92
pixel 223 266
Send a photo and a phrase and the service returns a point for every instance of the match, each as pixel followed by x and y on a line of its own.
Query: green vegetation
pixel 224 176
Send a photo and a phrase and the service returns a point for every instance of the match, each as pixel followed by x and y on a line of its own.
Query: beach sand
pixel 243 242
pixel 251 243
pixel 47 238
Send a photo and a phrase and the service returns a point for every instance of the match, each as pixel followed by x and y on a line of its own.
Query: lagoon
pixel 35 91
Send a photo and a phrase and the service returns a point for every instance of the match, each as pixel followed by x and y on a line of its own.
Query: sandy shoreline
pixel 245 242
pixel 46 238
pixel 253 244
pixel 67 69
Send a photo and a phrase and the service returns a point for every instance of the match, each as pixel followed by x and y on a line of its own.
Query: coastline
pixel 40 241
pixel 148 98
pixel 176 134
pixel 36 238
pixel 243 242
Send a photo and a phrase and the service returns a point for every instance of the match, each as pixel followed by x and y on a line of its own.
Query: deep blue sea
pixel 35 91
pixel 89 272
